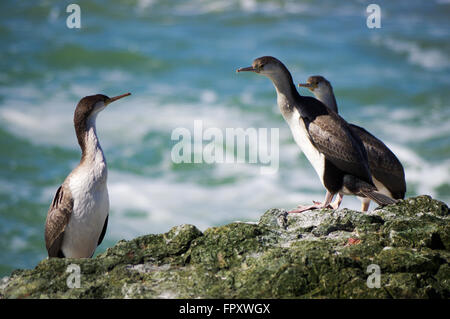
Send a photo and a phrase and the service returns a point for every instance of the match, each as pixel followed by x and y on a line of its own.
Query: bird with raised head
pixel 78 215
pixel 387 172
pixel 336 153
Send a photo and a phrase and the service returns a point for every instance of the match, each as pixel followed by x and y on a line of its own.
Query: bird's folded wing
pixel 383 163
pixel 333 138
pixel 381 157
pixel 57 219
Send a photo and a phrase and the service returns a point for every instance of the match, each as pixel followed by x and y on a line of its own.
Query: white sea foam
pixel 408 133
pixel 425 176
pixel 49 120
pixel 196 7
pixel 201 205
pixel 15 189
pixel 428 58
pixel 400 127
pixel 144 4
pixel 18 243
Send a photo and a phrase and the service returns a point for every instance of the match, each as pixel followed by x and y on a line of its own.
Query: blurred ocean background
pixel 178 58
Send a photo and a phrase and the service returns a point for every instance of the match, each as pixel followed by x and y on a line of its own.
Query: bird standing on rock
pixel 387 171
pixel 336 153
pixel 78 215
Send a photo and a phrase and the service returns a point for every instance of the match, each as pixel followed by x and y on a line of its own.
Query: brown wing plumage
pixel 332 137
pixel 57 219
pixel 383 163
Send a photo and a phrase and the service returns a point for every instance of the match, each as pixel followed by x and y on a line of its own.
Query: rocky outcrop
pixel 316 254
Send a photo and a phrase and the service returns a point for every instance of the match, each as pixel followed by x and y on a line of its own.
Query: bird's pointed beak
pixel 306 85
pixel 249 68
pixel 112 99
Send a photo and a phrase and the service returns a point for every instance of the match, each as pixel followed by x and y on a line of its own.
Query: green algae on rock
pixel 315 254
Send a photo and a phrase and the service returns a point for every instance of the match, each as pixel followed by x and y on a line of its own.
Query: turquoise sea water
pixel 178 58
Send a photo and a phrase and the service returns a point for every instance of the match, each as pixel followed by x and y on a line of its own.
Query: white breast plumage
pixel 88 187
pixel 301 137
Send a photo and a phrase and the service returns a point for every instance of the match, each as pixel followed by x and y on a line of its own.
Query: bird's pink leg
pixel 365 204
pixel 337 202
pixel 326 203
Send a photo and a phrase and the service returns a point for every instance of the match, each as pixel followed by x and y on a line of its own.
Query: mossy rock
pixel 316 254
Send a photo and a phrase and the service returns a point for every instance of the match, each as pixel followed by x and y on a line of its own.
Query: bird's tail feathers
pixel 379 198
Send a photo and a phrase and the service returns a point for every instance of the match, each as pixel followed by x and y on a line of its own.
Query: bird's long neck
pixel 287 95
pixel 91 150
pixel 327 97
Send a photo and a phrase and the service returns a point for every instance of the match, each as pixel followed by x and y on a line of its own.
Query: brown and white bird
pixel 78 215
pixel 387 171
pixel 336 153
